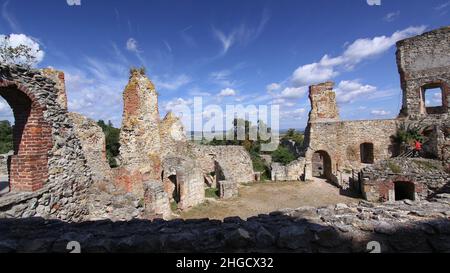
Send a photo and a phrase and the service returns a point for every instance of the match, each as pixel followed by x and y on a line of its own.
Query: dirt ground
pixel 265 197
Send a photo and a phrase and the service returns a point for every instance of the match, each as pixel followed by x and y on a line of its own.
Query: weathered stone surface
pixel 94 146
pixel 156 201
pixel 140 142
pixel 234 162
pixel 227 189
pixel 285 231
pixel 59 175
pixel 427 176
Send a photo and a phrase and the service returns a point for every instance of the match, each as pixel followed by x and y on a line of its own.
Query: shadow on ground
pixel 302 231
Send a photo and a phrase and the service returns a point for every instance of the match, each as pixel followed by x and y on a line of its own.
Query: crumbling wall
pixel 423 61
pixel 323 103
pixel 140 143
pixel 291 172
pixel 235 161
pixel 342 142
pixel 428 176
pixel 191 185
pixel 173 136
pixel 56 170
pixel 93 143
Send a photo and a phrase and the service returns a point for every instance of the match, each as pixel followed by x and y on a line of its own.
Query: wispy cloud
pixel 443 8
pixel 133 46
pixel 391 17
pixel 171 83
pixel 241 35
pixel 10 19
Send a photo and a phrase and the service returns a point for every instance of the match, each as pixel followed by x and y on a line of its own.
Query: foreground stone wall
pixel 398 227
pixel 234 161
pixel 59 174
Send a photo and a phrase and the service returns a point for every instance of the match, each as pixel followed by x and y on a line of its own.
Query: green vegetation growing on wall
pixel 112 135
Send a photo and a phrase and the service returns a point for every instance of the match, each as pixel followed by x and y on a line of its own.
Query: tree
pixel 6 137
pixel 112 136
pixel 20 55
pixel 282 155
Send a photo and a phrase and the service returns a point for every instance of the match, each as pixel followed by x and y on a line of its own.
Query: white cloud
pixel 356 52
pixel 177 103
pixel 392 16
pixel 15 40
pixel 348 91
pixel 380 113
pixel 132 45
pixel 293 92
pixel 294 114
pixel 313 73
pixel 442 6
pixel 174 84
pixel 227 92
pixel 273 87
pixel 222 77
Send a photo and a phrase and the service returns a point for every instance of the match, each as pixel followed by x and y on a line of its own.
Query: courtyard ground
pixel 265 197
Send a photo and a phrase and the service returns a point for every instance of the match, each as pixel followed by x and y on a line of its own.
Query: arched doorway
pixel 175 188
pixel 367 153
pixel 404 190
pixel 321 165
pixel 27 167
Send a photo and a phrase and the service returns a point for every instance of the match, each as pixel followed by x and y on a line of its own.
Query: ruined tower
pixel 140 143
pixel 424 64
pixel 323 103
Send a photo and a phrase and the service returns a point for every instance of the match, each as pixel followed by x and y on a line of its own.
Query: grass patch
pixel 174 206
pixel 426 165
pixel 212 193
pixel 394 167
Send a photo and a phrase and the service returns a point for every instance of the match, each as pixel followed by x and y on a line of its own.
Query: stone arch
pixel 367 152
pixel 32 139
pixel 322 165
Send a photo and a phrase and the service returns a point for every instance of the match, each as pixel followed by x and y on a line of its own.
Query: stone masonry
pixel 48 172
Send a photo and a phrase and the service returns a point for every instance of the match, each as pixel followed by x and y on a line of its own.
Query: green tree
pixel 282 155
pixel 112 136
pixel 6 137
pixel 21 54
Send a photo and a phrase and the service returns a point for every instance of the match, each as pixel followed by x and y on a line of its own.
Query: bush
pixel 283 155
pixel 212 193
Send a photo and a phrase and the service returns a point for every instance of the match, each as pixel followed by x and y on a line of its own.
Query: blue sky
pixel 228 52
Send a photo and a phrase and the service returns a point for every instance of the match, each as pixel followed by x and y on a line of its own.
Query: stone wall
pixel 49 176
pixel 428 176
pixel 140 143
pixel 399 227
pixel 191 185
pixel 423 62
pixel 234 161
pixel 59 79
pixel 342 141
pixel 93 143
pixel 227 189
pixel 291 172
pixel 323 103
pixel 172 135
pixel 156 200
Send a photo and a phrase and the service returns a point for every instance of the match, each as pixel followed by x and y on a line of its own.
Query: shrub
pixel 283 155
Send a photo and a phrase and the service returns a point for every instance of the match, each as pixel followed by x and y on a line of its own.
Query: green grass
pixel 426 165
pixel 174 206
pixel 212 193
pixel 394 167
